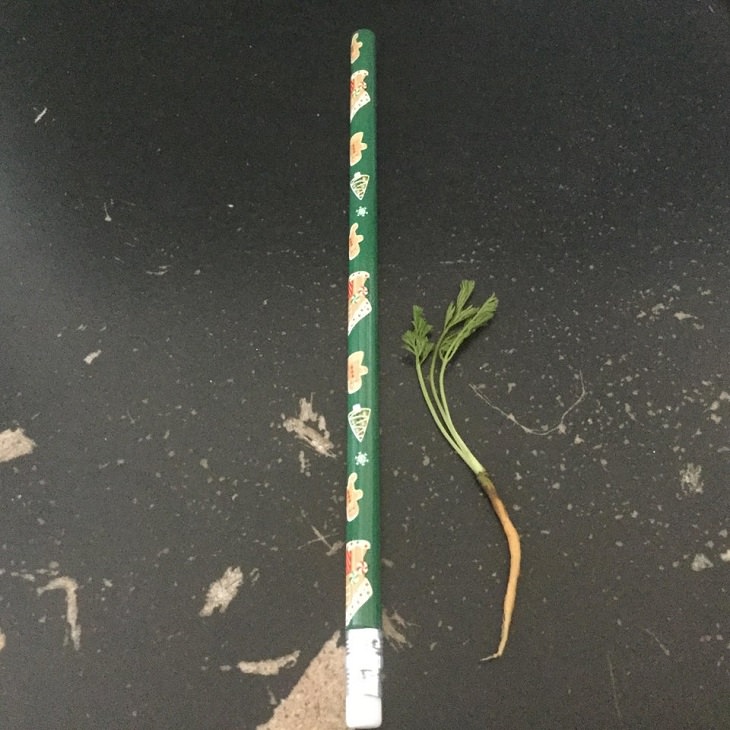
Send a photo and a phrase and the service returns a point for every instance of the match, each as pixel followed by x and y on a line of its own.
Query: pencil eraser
pixel 363 665
pixel 363 712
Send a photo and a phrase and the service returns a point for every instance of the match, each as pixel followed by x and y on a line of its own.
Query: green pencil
pixel 363 705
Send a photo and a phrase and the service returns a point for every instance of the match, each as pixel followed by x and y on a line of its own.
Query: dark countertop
pixel 173 209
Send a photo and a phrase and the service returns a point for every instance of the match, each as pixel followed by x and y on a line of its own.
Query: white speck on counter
pixel 690 477
pixel 332 548
pixel 91 357
pixel 161 270
pixel 270 667
pixel 222 591
pixel 394 626
pixel 70 586
pixel 661 645
pixel 304 464
pixel 701 562
pixel 318 438
pixel 14 443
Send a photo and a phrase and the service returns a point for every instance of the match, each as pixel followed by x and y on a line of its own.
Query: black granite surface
pixel 172 197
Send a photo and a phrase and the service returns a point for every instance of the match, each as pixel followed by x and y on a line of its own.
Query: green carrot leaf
pixel 472 318
pixel 483 314
pixel 466 288
pixel 420 325
pixel 449 316
pixel 458 311
pixel 416 340
pixel 462 316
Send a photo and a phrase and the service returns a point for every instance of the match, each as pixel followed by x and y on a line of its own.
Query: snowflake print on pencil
pixel 361 459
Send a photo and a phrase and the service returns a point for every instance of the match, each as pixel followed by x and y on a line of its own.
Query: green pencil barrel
pixel 363 453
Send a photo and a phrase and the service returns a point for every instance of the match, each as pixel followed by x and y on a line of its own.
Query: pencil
pixel 363 627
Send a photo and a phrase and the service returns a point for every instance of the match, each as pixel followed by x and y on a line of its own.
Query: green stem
pixel 438 395
pixel 434 393
pixel 429 403
pixel 463 450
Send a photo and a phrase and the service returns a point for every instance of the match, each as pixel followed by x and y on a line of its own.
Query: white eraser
pixel 363 665
pixel 363 712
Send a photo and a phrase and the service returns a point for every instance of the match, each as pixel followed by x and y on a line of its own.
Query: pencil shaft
pixel 363 453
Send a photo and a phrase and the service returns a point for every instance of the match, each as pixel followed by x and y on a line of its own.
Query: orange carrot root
pixel 515 557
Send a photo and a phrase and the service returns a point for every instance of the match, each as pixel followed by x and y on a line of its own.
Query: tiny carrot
pixel 461 321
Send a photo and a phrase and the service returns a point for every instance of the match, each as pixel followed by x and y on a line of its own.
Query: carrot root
pixel 515 557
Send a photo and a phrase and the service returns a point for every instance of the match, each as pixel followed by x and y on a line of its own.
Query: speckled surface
pixel 172 209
